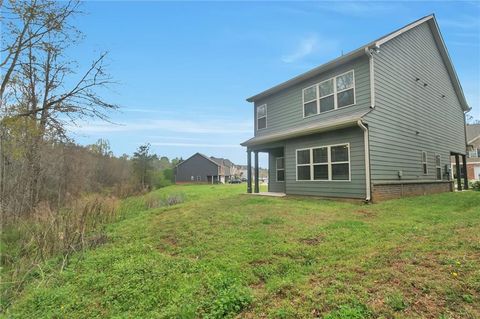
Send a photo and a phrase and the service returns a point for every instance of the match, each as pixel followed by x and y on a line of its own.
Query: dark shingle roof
pixel 222 161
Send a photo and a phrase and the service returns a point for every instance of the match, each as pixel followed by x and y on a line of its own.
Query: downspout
pixel 369 52
pixel 367 160
pixel 366 141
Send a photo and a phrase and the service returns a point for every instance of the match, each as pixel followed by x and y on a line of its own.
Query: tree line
pixel 42 93
pixel 56 195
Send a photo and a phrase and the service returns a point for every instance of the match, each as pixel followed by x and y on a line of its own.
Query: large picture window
pixel 331 94
pixel 280 169
pixel 324 163
pixel 261 116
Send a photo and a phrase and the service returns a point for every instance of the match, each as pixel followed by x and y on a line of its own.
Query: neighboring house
pixel 473 154
pixel 199 168
pixel 228 167
pixel 379 122
pixel 242 172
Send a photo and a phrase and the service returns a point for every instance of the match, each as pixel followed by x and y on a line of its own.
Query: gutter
pixel 366 143
pixel 276 137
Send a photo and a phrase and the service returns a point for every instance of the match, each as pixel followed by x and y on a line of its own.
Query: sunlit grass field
pixel 222 253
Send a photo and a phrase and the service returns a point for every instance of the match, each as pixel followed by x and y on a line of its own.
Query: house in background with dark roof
pixel 473 152
pixel 200 168
pixel 380 122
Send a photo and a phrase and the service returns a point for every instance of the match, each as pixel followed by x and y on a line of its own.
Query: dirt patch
pixel 171 241
pixel 260 262
pixel 258 285
pixel 313 240
pixel 365 213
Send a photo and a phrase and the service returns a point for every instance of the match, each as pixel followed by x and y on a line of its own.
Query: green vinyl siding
pixel 348 189
pixel 273 185
pixel 285 108
pixel 409 117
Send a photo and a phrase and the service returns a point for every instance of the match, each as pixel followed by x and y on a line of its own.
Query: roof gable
pixel 430 19
pixel 197 154
pixel 473 132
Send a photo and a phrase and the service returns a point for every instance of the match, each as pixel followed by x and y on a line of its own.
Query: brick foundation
pixel 384 191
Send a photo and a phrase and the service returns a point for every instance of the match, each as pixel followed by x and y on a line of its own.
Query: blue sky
pixel 185 68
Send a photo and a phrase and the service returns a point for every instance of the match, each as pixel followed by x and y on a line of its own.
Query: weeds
pixel 396 301
pixel 153 200
pixel 29 242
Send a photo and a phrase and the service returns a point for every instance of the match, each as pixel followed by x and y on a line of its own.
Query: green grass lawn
pixel 222 253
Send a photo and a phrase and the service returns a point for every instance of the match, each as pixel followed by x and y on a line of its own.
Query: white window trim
pixel 438 166
pixel 425 172
pixel 281 169
pixel 329 163
pixel 258 118
pixel 335 92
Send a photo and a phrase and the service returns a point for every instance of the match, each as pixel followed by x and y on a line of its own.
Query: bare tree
pixel 36 102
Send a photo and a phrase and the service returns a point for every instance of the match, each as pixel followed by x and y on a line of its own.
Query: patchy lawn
pixel 224 254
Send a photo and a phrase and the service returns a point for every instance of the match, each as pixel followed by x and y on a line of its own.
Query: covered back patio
pixel 274 151
pixel 460 172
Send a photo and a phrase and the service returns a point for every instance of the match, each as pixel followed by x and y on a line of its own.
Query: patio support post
pixel 457 169
pixel 465 173
pixel 249 171
pixel 256 190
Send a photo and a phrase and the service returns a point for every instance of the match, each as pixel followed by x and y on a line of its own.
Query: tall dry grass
pixel 27 242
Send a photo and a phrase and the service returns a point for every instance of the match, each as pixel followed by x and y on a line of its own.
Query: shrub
pixel 153 200
pixel 475 186
pixel 174 199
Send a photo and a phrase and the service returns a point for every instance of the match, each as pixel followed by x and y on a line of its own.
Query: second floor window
pixel 261 116
pixel 330 94
pixel 474 153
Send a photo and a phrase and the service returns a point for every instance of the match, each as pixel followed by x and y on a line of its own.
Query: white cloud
pixel 359 9
pixel 195 145
pixel 313 44
pixel 173 137
pixel 464 22
pixel 144 110
pixel 202 126
pixel 306 47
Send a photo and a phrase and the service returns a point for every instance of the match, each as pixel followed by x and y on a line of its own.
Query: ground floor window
pixel 327 163
pixel 438 166
pixel 280 168
pixel 424 163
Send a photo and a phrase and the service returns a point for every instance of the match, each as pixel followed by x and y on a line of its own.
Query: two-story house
pixel 379 122
pixel 200 168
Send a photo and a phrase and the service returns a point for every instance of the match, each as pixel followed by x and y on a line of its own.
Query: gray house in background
pixel 200 168
pixel 380 122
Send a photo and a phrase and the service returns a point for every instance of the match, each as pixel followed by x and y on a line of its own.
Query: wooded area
pixel 54 193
